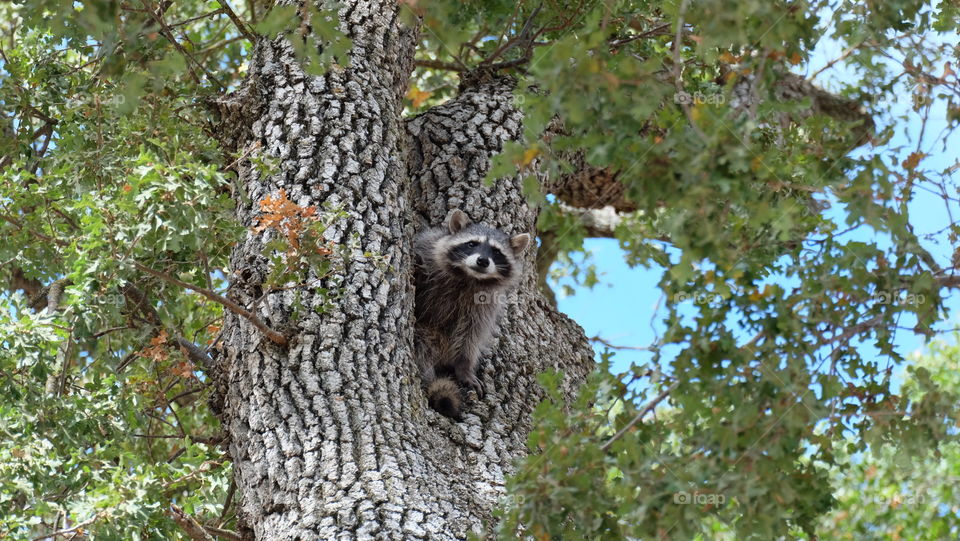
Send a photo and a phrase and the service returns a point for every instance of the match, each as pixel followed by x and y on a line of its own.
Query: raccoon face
pixel 482 253
pixel 480 257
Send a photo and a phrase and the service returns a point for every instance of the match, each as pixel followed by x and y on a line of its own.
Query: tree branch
pixel 241 26
pixel 75 529
pixel 19 225
pixel 273 335
pixel 647 409
pixel 189 524
pixel 659 30
pixel 610 345
pixel 546 255
pixel 32 288
pixel 195 354
pixel 167 33
pixel 440 65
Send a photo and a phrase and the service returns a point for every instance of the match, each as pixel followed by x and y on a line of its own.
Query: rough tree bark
pixel 331 436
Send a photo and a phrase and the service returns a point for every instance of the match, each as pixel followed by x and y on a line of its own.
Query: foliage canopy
pixel 780 389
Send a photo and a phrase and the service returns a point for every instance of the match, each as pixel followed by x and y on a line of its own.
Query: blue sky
pixel 622 309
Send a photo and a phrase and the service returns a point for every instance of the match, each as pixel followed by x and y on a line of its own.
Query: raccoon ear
pixel 519 242
pixel 457 221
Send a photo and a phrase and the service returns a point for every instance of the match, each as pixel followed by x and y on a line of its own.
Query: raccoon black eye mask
pixel 463 273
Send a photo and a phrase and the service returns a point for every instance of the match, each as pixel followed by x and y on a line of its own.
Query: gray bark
pixel 331 436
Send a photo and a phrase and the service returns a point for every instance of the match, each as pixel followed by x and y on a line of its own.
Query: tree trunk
pixel 331 436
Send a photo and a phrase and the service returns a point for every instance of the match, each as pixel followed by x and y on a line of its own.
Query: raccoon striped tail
pixel 443 395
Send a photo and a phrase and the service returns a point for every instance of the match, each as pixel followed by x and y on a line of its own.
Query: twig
pixel 205 467
pixel 72 529
pixel 830 64
pixel 237 22
pixel 233 165
pixel 647 409
pixel 48 131
pixel 273 335
pixel 660 30
pixel 184 394
pixel 110 330
pixel 233 536
pixel 189 524
pixel 167 33
pixel 438 64
pixel 194 352
pixel 197 18
pixel 229 500
pixel 125 362
pixel 678 82
pixel 520 37
pixel 16 223
pixel 68 219
pixel 614 346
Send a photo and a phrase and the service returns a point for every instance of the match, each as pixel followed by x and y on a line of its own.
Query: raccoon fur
pixel 463 273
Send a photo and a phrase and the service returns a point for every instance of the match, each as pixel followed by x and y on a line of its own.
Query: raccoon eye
pixel 497 253
pixel 473 244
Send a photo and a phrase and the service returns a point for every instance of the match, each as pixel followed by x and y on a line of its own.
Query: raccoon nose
pixel 483 262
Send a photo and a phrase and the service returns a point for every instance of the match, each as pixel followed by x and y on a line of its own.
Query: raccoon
pixel 463 272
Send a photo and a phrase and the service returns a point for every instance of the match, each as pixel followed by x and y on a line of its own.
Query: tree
pixel 213 205
pixel 889 493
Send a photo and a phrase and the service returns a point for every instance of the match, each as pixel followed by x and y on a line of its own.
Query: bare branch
pixel 610 345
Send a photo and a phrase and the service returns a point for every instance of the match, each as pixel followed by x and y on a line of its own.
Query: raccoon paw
pixel 473 383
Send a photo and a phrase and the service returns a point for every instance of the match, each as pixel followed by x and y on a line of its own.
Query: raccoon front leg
pixel 466 372
pixel 473 337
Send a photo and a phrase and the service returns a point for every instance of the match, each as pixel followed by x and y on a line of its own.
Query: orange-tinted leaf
pixel 913 160
pixel 727 58
pixel 418 96
pixel 183 369
pixel 529 155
